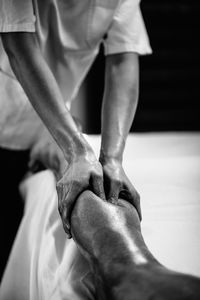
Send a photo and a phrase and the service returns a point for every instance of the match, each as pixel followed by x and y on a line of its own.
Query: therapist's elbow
pixel 9 41
pixel 18 45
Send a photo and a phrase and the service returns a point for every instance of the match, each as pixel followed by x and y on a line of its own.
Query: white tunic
pixel 69 34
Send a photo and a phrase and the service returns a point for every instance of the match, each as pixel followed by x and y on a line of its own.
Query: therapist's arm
pixel 84 170
pixel 118 111
pixel 41 88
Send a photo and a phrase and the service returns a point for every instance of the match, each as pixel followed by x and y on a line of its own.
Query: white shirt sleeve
pixel 127 32
pixel 17 15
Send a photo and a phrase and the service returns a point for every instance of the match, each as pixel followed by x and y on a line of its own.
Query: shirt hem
pixel 27 27
pixel 127 48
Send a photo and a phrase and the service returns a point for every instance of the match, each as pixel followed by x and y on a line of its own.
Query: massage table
pixel 164 168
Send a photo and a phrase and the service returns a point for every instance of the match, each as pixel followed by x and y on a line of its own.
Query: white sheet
pixel 165 169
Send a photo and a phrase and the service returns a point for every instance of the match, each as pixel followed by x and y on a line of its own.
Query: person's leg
pixel 13 167
pixel 109 236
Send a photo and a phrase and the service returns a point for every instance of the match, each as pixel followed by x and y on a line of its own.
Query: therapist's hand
pixel 83 173
pixel 117 185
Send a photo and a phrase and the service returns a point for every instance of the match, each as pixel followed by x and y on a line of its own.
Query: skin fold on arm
pixel 110 238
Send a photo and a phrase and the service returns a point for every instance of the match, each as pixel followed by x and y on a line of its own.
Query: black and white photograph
pixel 99 150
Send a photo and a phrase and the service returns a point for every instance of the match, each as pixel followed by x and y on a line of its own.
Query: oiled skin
pixel 109 236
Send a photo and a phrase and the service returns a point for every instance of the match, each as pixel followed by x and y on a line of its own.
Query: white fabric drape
pixel 165 169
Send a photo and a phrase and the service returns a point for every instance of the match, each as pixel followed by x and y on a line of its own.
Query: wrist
pixel 79 147
pixel 105 158
pixel 112 149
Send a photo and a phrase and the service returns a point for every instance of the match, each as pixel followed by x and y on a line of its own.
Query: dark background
pixel 169 78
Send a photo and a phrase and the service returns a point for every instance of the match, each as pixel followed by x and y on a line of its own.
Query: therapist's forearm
pixel 119 104
pixel 42 90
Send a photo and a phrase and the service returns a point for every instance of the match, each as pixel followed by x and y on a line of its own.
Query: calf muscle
pixel 109 236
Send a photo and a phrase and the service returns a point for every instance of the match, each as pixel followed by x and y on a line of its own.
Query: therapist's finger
pixel 113 191
pixel 130 194
pixel 67 196
pixel 96 182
